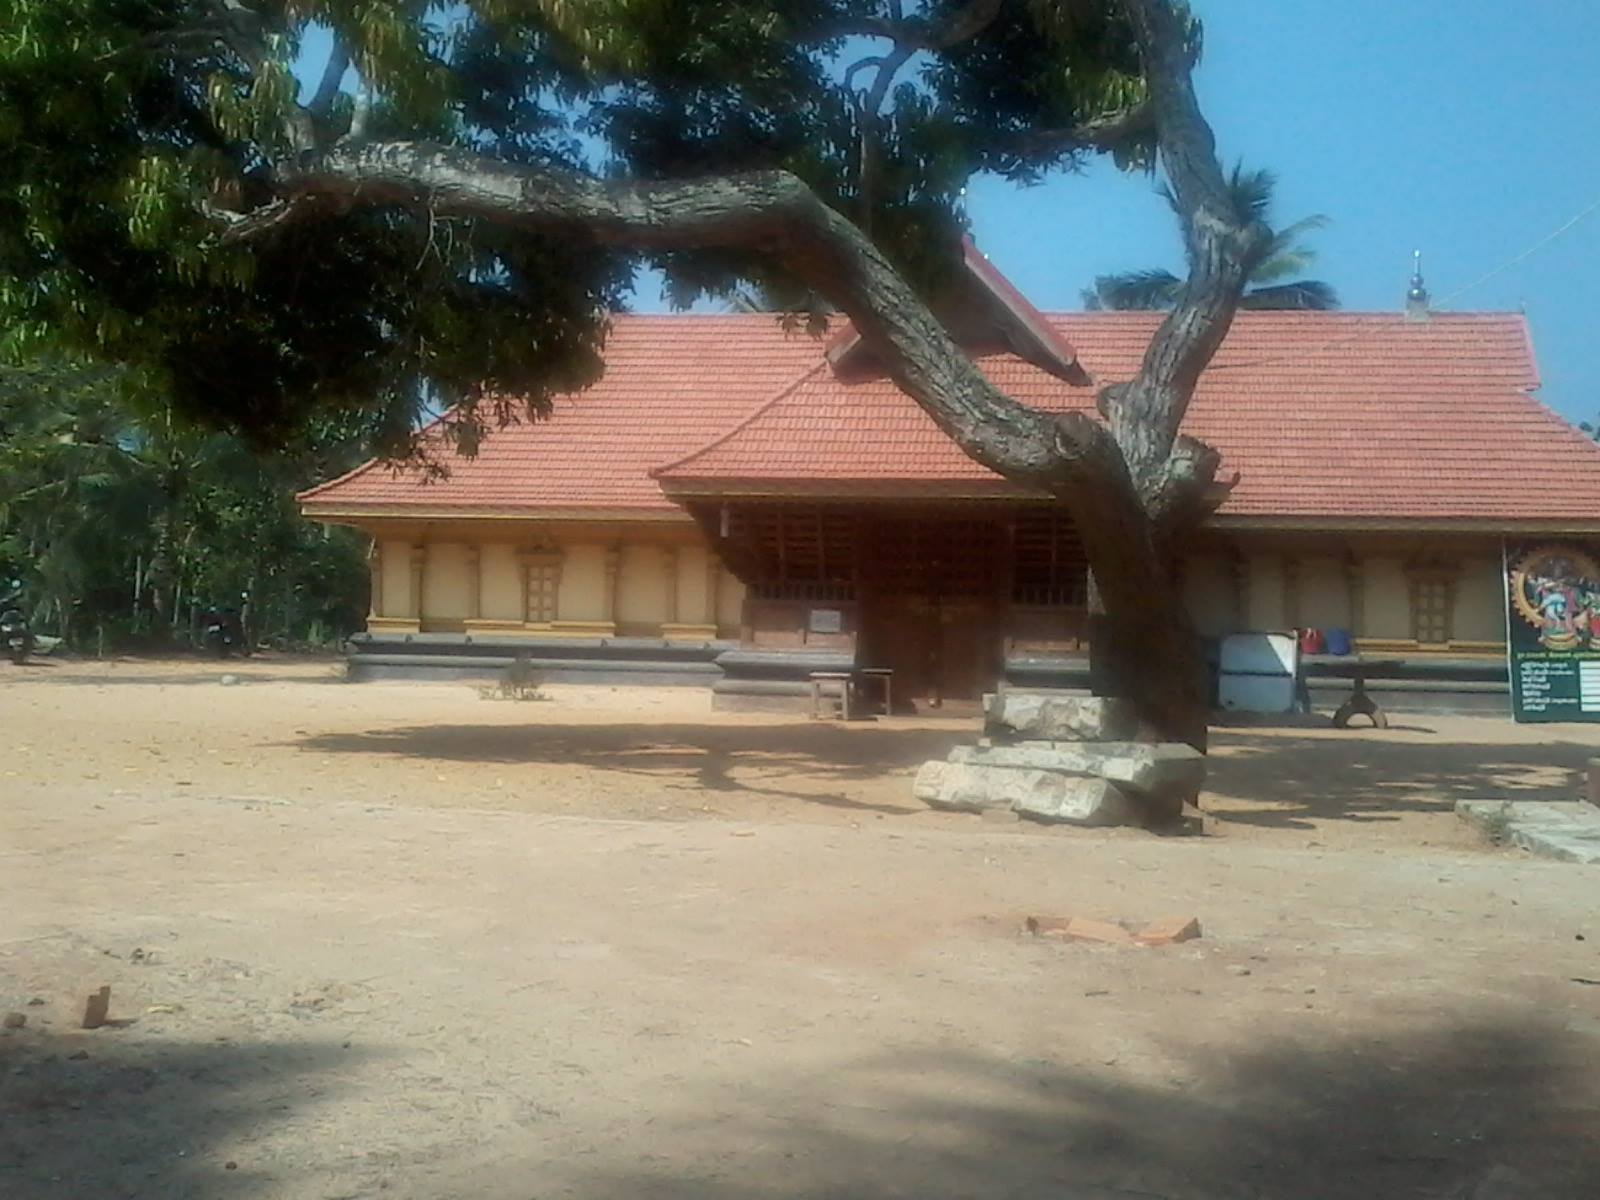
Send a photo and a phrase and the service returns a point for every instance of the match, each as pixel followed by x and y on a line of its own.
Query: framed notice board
pixel 1553 631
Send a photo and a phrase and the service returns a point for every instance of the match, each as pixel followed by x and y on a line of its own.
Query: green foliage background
pixel 130 128
pixel 122 526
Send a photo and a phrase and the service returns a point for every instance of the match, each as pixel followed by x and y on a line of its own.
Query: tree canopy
pixel 121 524
pixel 130 129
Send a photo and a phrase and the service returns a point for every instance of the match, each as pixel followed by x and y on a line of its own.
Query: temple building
pixel 739 503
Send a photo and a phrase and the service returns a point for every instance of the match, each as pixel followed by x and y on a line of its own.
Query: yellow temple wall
pixel 552 579
pixel 660 579
pixel 1371 585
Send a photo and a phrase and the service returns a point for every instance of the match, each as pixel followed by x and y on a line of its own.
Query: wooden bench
pixel 848 681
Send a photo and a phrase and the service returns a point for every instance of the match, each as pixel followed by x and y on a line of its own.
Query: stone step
pixel 1059 716
pixel 1042 795
pixel 1150 768
pixel 1565 830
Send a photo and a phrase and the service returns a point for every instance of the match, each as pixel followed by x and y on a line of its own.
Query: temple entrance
pixel 931 605
pixel 944 594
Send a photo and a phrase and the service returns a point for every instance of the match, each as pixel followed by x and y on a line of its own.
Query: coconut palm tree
pixel 1273 278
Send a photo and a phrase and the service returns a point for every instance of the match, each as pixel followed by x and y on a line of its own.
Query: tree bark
pixel 1134 486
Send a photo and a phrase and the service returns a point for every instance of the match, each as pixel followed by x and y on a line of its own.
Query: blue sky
pixel 1467 130
pixel 1464 129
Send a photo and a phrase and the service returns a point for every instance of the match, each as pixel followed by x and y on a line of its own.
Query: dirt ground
pixel 402 941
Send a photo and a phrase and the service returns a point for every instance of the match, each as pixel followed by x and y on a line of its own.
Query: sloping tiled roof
pixel 672 383
pixel 1326 416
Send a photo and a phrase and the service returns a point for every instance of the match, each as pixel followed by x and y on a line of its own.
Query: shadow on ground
pixel 718 758
pixel 1271 778
pixel 1365 778
pixel 152 1119
pixel 1507 1109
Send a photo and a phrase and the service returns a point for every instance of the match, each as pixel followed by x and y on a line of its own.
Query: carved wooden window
pixel 1432 602
pixel 797 553
pixel 1048 566
pixel 541 581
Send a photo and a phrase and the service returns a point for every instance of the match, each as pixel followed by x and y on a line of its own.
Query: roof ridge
pixel 363 468
pixel 743 422
pixel 1560 425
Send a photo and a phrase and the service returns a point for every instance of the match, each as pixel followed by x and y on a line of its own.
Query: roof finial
pixel 1417 295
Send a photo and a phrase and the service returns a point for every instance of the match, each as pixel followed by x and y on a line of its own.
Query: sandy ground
pixel 398 940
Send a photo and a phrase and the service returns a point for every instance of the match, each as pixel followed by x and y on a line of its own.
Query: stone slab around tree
pixel 1042 795
pixel 1150 768
pixel 1566 830
pixel 1059 716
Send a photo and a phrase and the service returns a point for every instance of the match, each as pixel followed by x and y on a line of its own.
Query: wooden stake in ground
pixel 96 1008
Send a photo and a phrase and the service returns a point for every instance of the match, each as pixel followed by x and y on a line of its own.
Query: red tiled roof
pixel 671 384
pixel 1324 415
pixel 988 298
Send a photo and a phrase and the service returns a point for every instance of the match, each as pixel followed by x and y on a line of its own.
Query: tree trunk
pixel 1141 643
pixel 1132 482
pixel 1153 657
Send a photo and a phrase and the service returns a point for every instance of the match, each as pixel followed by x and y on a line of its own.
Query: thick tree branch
pixel 769 213
pixel 1097 133
pixel 920 33
pixel 1145 414
pixel 909 37
pixel 321 102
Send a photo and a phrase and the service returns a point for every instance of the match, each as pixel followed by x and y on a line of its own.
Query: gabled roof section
pixel 671 384
pixel 984 312
pixel 1331 419
pixel 1326 416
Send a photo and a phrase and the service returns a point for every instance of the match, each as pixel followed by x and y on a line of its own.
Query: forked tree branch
pixel 770 213
pixel 920 33
pixel 333 72
pixel 774 214
pixel 1146 413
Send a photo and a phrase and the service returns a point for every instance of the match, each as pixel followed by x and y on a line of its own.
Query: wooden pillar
pixel 474 581
pixel 1355 583
pixel 613 572
pixel 375 577
pixel 556 562
pixel 1291 591
pixel 669 564
pixel 1241 590
pixel 419 578
pixel 713 590
pixel 525 578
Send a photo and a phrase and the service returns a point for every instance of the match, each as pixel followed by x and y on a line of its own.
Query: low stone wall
pixel 778 680
pixel 618 661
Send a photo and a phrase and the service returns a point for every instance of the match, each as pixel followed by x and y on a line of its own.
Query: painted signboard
pixel 1553 632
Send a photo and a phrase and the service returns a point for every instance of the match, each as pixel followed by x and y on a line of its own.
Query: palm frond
pixel 1287 263
pixel 1251 192
pixel 1290 234
pixel 1141 291
pixel 1312 295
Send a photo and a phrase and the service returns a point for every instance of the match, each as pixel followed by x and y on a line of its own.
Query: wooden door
pixel 930 609
pixel 969 649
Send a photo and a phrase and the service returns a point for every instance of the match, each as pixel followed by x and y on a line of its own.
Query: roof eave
pixel 401 510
